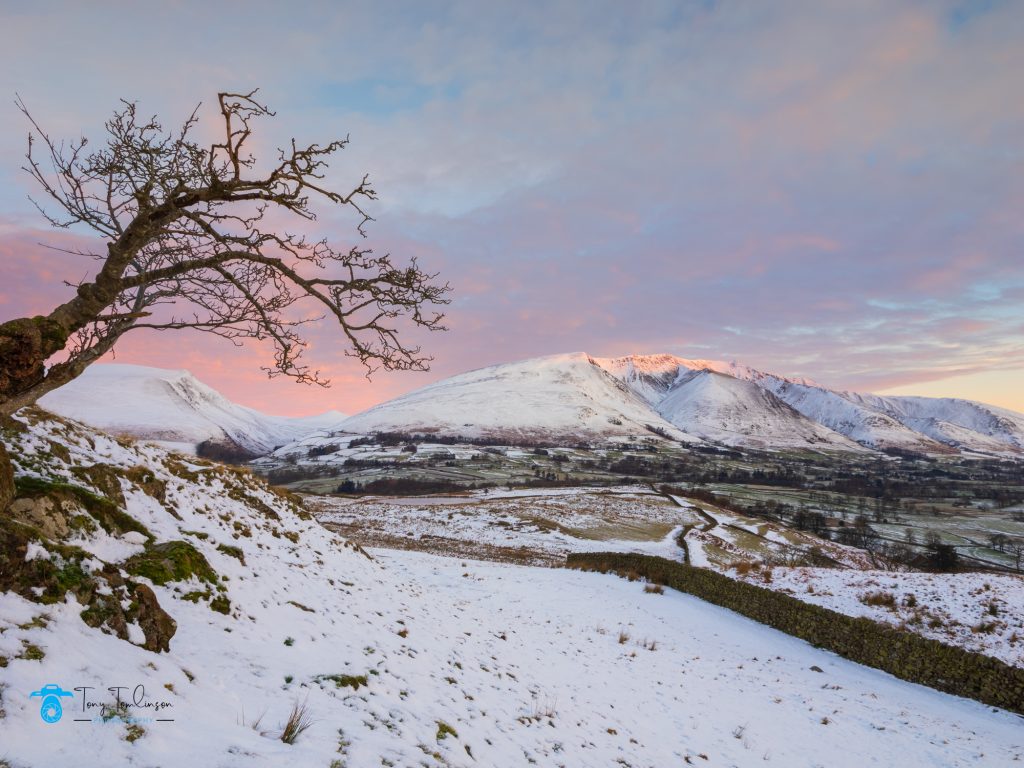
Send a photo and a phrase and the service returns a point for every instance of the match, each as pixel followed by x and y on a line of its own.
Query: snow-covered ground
pixel 980 612
pixel 410 659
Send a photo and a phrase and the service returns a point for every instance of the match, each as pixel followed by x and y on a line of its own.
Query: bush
pixel 903 654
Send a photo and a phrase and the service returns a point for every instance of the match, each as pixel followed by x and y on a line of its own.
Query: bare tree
pixel 188 244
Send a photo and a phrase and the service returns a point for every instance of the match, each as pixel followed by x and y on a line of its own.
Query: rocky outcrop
pixel 157 625
pixel 6 479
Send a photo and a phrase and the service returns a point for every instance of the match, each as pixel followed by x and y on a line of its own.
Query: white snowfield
pixel 174 409
pixel 465 663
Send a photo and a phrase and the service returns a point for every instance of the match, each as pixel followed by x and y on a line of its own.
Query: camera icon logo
pixel 51 711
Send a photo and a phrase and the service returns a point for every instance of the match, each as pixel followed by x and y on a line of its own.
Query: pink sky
pixel 822 189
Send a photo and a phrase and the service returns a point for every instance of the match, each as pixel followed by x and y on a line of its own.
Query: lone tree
pixel 188 242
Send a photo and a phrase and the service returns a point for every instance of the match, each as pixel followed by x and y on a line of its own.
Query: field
pixel 975 505
pixel 979 611
pixel 535 527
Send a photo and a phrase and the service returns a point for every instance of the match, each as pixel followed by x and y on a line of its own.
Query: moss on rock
pixel 171 561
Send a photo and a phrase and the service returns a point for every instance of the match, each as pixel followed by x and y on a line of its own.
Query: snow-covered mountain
pixel 175 409
pixel 576 396
pixel 922 424
pixel 734 411
pixel 557 397
pixel 561 398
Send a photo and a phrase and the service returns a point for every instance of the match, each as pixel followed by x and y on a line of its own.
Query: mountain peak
pixel 172 407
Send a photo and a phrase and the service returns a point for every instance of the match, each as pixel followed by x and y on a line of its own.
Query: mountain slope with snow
pixel 557 397
pixel 737 412
pixel 173 408
pixel 920 424
pixel 404 659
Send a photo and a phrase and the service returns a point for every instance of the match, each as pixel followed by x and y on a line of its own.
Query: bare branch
pixel 187 246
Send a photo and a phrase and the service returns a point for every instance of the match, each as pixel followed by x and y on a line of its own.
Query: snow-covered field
pixel 410 659
pixel 980 612
pixel 539 527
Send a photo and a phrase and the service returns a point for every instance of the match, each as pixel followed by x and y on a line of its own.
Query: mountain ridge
pixel 731 403
pixel 175 409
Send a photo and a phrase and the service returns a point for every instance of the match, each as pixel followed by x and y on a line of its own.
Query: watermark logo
pixel 129 705
pixel 51 710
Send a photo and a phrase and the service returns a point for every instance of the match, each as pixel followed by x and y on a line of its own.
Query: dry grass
pixel 654 589
pixel 879 598
pixel 298 722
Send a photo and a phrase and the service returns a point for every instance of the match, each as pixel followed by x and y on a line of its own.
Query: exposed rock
pixel 43 512
pixel 156 623
pixel 6 479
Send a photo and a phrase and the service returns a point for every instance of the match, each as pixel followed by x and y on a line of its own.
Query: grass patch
pixel 171 561
pixel 355 682
pixel 444 731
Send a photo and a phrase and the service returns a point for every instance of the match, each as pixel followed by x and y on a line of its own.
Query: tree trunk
pixel 28 342
pixel 25 344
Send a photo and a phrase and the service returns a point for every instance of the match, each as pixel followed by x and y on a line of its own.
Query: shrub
pixel 444 731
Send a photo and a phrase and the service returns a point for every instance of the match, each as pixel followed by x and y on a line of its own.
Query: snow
pixel 524 665
pixel 724 409
pixel 954 608
pixel 173 408
pixel 562 396
pixel 35 551
pixel 933 425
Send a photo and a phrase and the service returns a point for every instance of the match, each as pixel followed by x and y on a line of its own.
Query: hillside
pixel 920 424
pixel 403 659
pixel 562 397
pixel 724 409
pixel 173 408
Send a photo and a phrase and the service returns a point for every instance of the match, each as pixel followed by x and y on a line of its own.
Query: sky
pixel 826 189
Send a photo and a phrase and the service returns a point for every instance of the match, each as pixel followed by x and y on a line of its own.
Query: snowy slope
pixel 449 662
pixel 848 416
pixel 173 408
pixel 719 407
pixel 932 425
pixel 557 397
pixel 963 423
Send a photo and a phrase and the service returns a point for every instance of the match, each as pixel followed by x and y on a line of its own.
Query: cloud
pixel 825 188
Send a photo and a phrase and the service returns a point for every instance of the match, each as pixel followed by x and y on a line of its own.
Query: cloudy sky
pixel 829 189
